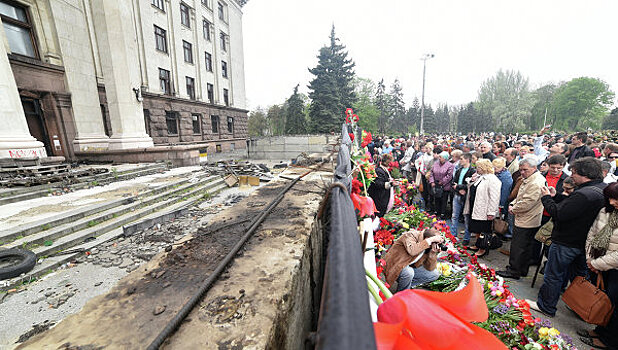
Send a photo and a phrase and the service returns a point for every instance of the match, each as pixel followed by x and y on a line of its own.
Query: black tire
pixel 25 262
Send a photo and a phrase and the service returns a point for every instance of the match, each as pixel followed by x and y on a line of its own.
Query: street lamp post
pixel 424 58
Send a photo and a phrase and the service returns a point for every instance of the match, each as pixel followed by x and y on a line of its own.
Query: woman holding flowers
pixel 602 256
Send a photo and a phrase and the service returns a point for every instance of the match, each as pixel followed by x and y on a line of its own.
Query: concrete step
pixel 71 216
pixel 26 193
pixel 48 264
pixel 80 236
pixel 96 218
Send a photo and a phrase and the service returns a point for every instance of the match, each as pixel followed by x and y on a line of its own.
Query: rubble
pixel 244 168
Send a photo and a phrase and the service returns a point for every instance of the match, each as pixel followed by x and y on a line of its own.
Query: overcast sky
pixel 548 41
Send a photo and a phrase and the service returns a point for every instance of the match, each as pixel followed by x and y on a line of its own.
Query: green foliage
pixel 257 123
pixel 611 121
pixel 365 106
pixel 543 103
pixel 276 120
pixel 381 102
pixel 582 103
pixel 507 99
pixel 295 114
pixel 332 89
pixel 430 124
pixel 398 122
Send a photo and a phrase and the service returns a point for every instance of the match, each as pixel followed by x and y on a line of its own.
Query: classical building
pixel 123 80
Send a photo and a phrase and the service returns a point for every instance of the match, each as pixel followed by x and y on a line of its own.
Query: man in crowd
pixel 486 151
pixel 512 164
pixel 581 150
pixel 573 216
pixel 528 210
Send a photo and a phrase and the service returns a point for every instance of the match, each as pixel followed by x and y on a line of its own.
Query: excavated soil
pixel 139 307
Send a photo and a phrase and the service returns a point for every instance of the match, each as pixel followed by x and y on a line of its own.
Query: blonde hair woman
pixel 483 200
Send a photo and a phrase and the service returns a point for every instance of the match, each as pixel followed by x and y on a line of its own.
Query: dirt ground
pixel 139 306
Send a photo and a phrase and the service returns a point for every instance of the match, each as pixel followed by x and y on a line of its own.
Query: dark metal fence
pixel 344 320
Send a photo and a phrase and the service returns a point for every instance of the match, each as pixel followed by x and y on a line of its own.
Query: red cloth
pixel 552 181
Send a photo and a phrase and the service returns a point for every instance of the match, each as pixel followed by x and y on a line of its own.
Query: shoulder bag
pixel 589 301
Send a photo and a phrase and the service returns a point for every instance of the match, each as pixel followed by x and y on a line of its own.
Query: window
pixel 187 48
pixel 232 146
pixel 221 7
pixel 171 119
pixel 106 123
pixel 164 81
pixel 147 121
pixel 214 121
pixel 226 97
pixel 158 4
pixel 211 92
pixel 160 39
pixel 223 44
pixel 196 119
pixel 207 3
pixel 184 15
pixel 230 125
pixel 208 61
pixel 190 87
pixel 224 69
pixel 206 29
pixel 218 149
pixel 18 29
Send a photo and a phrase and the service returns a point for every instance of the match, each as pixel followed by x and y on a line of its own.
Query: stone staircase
pixel 61 238
pixel 17 194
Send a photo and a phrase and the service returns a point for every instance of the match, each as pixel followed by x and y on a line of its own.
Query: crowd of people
pixel 512 187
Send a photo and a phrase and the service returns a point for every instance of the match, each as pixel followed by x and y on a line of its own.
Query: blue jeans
pixel 562 263
pixel 412 277
pixel 458 205
pixel 511 220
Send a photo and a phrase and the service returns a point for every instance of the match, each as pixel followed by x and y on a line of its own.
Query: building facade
pixel 124 80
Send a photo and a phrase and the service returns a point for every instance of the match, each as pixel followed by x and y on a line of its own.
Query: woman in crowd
pixel 498 149
pixel 381 188
pixel 568 186
pixel 506 179
pixel 602 256
pixel 483 200
pixel 441 178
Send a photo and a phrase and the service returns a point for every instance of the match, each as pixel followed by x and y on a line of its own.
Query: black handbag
pixel 488 241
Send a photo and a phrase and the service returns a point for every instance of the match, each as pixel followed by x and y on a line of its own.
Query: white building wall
pixel 77 54
pixel 174 59
pixel 237 57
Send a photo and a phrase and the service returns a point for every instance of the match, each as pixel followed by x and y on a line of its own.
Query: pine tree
pixel 382 104
pixel 295 114
pixel 397 109
pixel 332 89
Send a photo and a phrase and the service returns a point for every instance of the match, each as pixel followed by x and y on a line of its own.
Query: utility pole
pixel 424 58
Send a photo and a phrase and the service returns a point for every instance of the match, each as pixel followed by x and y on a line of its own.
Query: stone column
pixel 15 138
pixel 116 38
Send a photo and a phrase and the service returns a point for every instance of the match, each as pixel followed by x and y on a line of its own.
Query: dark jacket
pixel 581 152
pixel 378 191
pixel 573 215
pixel 507 183
pixel 464 186
pixel 489 156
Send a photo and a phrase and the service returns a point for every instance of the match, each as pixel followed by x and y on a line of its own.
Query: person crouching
pixel 412 259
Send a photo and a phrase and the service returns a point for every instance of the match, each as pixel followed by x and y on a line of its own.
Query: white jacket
pixel 609 261
pixel 487 199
